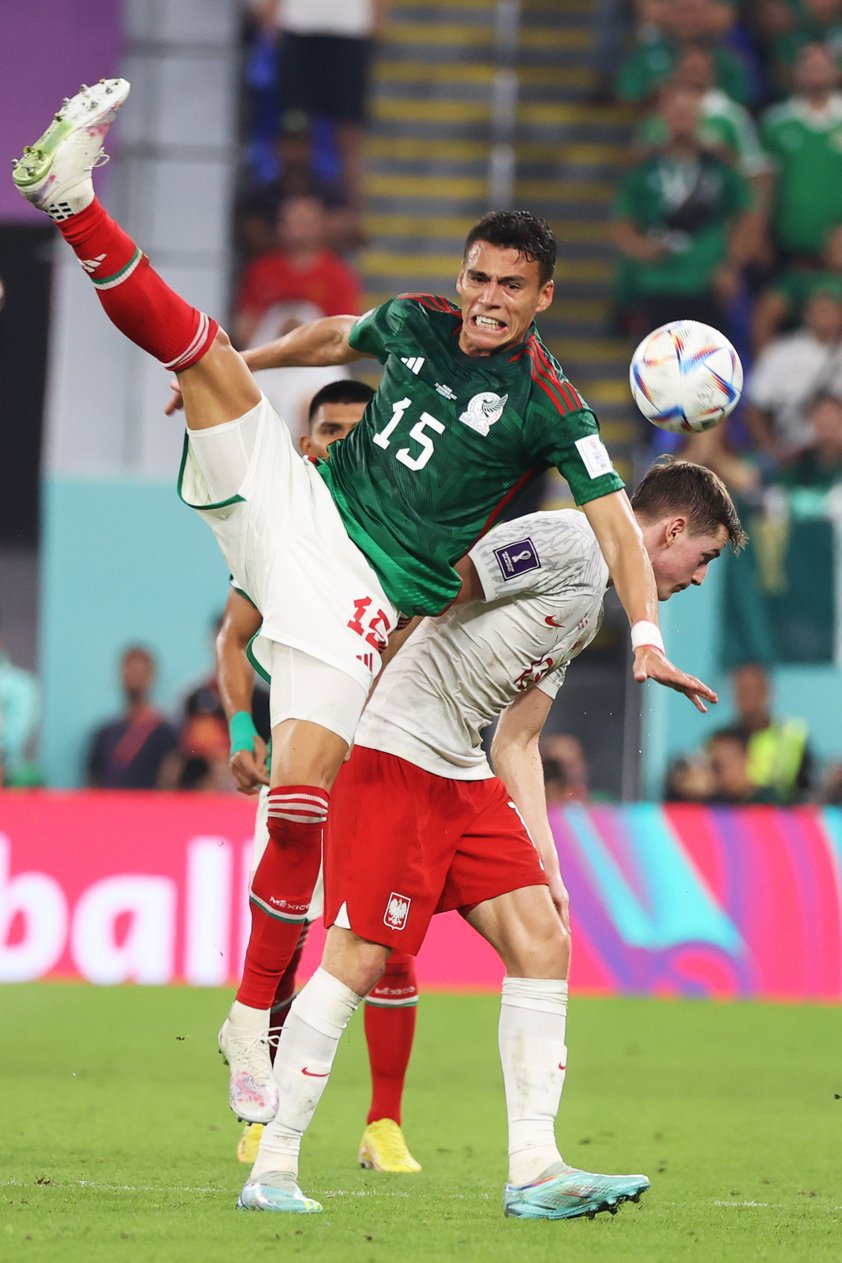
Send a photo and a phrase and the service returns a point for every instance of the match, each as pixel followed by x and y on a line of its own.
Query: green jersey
pixel 723 126
pixel 651 63
pixel 807 148
pixel 446 441
pixel 688 205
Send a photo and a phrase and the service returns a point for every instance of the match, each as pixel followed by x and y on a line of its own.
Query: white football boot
pixel 244 1044
pixel 54 173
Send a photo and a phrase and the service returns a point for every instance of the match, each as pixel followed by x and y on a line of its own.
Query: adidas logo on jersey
pixel 91 265
pixel 413 362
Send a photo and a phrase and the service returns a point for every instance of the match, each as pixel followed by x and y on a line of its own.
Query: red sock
pixel 135 298
pixel 284 993
pixel 389 1029
pixel 282 887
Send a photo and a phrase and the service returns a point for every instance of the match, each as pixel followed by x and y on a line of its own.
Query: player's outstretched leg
pixel 390 1011
pixel 55 174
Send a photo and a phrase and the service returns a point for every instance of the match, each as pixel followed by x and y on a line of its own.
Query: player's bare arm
pixel 621 541
pixel 516 758
pixel 319 343
pixel 235 678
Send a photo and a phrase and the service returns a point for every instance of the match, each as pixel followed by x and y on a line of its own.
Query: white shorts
pixel 304 687
pixel 285 544
pixel 261 841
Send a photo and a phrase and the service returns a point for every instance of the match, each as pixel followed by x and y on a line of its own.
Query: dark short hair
pixel 533 238
pixel 346 390
pixel 680 486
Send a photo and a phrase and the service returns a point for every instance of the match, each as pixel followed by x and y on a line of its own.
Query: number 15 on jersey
pixel 419 432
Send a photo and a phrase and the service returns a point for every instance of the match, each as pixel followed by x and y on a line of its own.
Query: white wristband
pixel 645 633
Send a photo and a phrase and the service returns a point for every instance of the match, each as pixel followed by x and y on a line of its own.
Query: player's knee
pixel 544 954
pixel 365 964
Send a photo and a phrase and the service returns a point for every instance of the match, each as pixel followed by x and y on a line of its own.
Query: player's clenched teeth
pixel 488 322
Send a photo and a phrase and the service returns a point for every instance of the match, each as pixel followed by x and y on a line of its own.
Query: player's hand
pixel 650 664
pixel 249 768
pixel 561 900
pixel 176 401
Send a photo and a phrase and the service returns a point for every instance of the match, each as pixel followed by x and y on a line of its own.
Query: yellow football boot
pixel 383 1148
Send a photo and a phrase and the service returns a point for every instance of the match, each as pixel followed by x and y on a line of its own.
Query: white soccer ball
pixel 685 377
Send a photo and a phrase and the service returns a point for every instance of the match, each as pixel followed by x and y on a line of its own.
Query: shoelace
pixel 247 1050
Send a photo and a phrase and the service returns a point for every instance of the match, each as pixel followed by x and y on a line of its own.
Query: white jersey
pixel 544 580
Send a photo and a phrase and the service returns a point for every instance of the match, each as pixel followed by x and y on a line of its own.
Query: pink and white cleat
pixel 54 174
pixel 244 1043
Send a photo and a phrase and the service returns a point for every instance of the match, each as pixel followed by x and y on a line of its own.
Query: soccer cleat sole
pixel 34 165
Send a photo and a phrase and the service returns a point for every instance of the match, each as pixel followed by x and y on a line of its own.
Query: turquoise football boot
pixel 276 1190
pixel 565 1193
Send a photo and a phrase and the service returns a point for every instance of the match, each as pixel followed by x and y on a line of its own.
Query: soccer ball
pixel 685 377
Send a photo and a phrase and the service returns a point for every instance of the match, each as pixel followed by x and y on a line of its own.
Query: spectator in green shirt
pixel 724 126
pixel 812 22
pixel 803 136
pixel 683 22
pixel 679 225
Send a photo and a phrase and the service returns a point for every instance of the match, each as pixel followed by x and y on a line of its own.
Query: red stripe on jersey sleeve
pixel 565 388
pixel 433 302
pixel 540 380
pixel 561 392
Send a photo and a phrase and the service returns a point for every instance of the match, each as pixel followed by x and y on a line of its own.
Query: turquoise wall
pixel 126 561
pixel 693 624
pixel 121 562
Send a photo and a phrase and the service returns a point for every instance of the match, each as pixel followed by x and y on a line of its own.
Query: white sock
pixel 533 1018
pixel 318 1016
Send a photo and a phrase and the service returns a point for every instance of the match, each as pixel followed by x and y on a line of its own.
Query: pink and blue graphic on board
pixel 688 900
pixel 681 900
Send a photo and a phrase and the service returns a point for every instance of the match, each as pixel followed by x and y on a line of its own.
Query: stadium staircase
pixel 429 152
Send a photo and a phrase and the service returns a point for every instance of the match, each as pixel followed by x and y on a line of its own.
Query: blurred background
pixel 282 159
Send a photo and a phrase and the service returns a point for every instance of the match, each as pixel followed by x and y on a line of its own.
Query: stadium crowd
pixel 731 212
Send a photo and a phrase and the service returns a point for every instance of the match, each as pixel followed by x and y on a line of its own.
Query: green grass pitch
pixel 117 1143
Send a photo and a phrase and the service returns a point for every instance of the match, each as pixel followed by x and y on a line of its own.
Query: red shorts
pixel 404 844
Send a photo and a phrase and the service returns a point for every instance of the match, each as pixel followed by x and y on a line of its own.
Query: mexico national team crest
pixel 483 410
pixel 397 911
